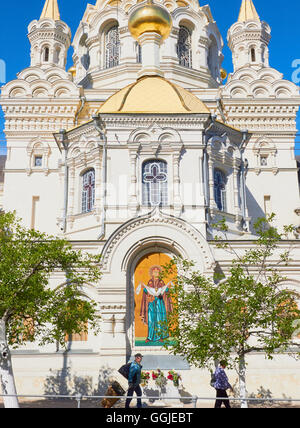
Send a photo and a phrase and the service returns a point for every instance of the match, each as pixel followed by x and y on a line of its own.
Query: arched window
pixel 184 47
pixel 46 54
pixel 112 47
pixel 88 191
pixel 138 49
pixel 155 183
pixel 220 189
pixel 253 55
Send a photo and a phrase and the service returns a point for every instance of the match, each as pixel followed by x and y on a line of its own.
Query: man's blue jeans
pixel 131 390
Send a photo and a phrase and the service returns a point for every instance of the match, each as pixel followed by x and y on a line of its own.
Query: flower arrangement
pixel 174 377
pixel 145 376
pixel 159 378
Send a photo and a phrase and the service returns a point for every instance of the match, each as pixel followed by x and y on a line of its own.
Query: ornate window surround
pixel 37 148
pixel 154 183
pixel 152 143
pixel 220 189
pixel 265 148
pixel 88 184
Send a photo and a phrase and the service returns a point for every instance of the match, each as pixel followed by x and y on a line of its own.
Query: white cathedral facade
pixel 136 151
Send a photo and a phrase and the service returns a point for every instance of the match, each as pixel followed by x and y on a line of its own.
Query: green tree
pixel 29 309
pixel 248 309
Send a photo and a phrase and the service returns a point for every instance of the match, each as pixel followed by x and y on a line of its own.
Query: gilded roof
pixel 153 94
pixel 248 12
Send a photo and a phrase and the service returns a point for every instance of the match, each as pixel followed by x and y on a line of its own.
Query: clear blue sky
pixel 282 17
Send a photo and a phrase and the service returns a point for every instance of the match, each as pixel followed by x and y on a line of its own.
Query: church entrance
pixel 154 300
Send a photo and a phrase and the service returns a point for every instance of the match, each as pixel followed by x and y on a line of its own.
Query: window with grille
pixel 138 49
pixel 155 183
pixel 220 190
pixel 112 47
pixel 184 47
pixel 88 191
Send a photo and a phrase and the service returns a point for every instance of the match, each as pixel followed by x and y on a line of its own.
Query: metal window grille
pixel 220 190
pixel 184 47
pixel 155 183
pixel 88 191
pixel 112 47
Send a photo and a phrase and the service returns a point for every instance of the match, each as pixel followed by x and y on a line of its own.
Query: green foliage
pixel 30 308
pixel 247 310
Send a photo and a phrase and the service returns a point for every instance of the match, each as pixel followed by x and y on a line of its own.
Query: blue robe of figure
pixel 157 320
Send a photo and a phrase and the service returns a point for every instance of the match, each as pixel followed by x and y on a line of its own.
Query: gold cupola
pixel 150 18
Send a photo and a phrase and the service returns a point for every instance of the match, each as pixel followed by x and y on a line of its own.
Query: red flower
pixel 170 377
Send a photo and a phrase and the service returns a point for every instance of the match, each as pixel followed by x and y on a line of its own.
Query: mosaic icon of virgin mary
pixel 155 306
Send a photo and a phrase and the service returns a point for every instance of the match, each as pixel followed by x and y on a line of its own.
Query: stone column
pixel 169 48
pixel 236 188
pixel 133 201
pixel 202 57
pixel 176 181
pixel 150 43
pixel 212 202
pixel 128 52
pixel 93 45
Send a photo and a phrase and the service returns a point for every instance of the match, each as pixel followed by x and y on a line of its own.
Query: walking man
pixel 221 385
pixel 134 381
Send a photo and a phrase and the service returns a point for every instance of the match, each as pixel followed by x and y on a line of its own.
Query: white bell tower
pixel 249 39
pixel 50 38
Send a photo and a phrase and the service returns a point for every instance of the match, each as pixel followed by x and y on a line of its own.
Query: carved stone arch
pixel 88 290
pixel 161 229
pixel 90 143
pixel 154 133
pixel 75 151
pixel 253 25
pixel 284 89
pixel 217 142
pixel 237 27
pixel 142 137
pixel 188 15
pixel 17 92
pixel 16 88
pixel 101 19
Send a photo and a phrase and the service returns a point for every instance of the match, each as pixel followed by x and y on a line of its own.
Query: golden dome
pixel 153 95
pixel 223 74
pixel 72 70
pixel 150 18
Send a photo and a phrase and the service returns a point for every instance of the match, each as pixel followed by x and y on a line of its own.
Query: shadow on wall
pixel 254 209
pixel 61 382
pixel 263 399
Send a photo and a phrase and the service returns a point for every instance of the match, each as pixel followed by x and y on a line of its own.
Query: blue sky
pixel 284 21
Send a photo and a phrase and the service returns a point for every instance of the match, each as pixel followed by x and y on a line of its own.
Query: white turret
pixel 249 39
pixel 50 38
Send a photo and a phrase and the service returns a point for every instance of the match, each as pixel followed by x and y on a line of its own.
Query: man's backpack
pixel 124 370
